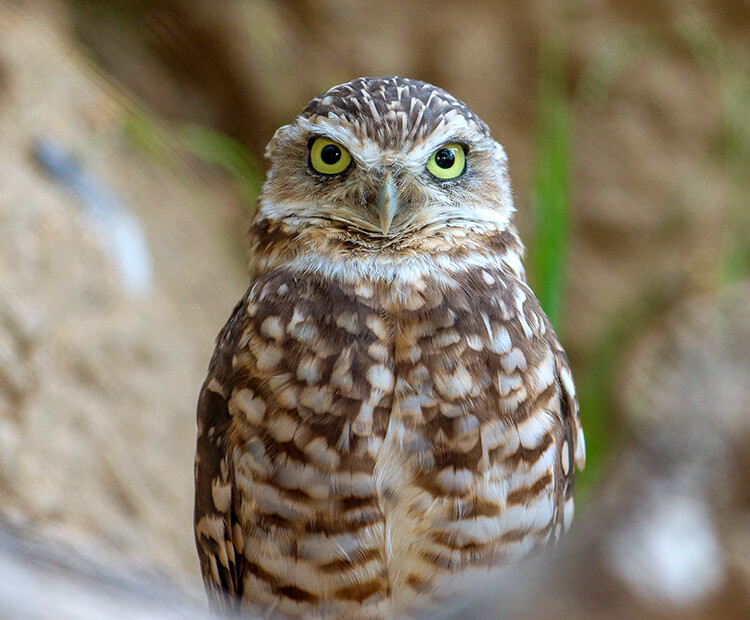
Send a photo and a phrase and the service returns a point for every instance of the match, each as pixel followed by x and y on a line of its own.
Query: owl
pixel 388 405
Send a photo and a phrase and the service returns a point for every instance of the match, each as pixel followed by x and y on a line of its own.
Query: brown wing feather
pixel 291 417
pixel 573 450
pixel 483 409
pixel 215 497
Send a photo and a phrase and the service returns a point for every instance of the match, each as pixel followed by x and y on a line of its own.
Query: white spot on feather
pixel 245 402
pixel 455 480
pixel 272 328
pixel 474 342
pixel 534 515
pixel 513 360
pixel 568 513
pixel 567 381
pixel 534 429
pixel 308 369
pixel 216 387
pixel 221 493
pixel 508 383
pixel 454 385
pixel 319 399
pixel 282 427
pixel 380 377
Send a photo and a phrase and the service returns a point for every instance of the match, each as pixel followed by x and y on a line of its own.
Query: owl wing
pixel 290 419
pixel 573 450
pixel 217 535
pixel 487 421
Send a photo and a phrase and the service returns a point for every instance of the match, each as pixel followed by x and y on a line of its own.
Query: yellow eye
pixel 328 157
pixel 448 162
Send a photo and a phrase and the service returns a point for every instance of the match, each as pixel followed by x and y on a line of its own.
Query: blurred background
pixel 131 154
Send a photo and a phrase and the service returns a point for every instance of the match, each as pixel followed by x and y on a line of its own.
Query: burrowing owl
pixel 388 403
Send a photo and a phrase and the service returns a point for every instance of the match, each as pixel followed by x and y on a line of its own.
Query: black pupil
pixel 330 154
pixel 445 158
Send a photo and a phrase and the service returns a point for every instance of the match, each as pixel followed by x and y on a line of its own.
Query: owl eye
pixel 328 157
pixel 448 162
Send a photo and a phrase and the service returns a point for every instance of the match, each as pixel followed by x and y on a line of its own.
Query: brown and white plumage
pixel 388 404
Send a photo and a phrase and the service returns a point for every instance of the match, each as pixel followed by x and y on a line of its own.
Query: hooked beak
pixel 387 202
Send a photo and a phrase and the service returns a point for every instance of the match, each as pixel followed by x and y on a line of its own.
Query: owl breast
pixel 387 433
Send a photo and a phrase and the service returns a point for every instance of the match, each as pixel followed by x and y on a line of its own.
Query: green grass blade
pixel 551 185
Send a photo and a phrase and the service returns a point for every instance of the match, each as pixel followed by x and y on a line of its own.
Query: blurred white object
pixel 671 554
pixel 40 578
pixel 122 235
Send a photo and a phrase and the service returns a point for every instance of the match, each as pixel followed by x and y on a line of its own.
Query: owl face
pixel 383 159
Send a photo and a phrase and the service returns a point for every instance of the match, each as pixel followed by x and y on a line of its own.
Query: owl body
pixel 388 404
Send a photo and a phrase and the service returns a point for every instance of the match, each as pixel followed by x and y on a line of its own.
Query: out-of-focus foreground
pixel 131 140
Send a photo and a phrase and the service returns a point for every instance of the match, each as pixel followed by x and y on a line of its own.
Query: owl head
pixel 385 159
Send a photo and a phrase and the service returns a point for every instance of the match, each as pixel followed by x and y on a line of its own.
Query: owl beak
pixel 387 202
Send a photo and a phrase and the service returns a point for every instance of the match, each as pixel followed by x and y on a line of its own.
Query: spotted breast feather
pixel 358 441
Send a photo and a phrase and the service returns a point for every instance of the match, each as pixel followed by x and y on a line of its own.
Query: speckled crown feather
pixel 392 108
